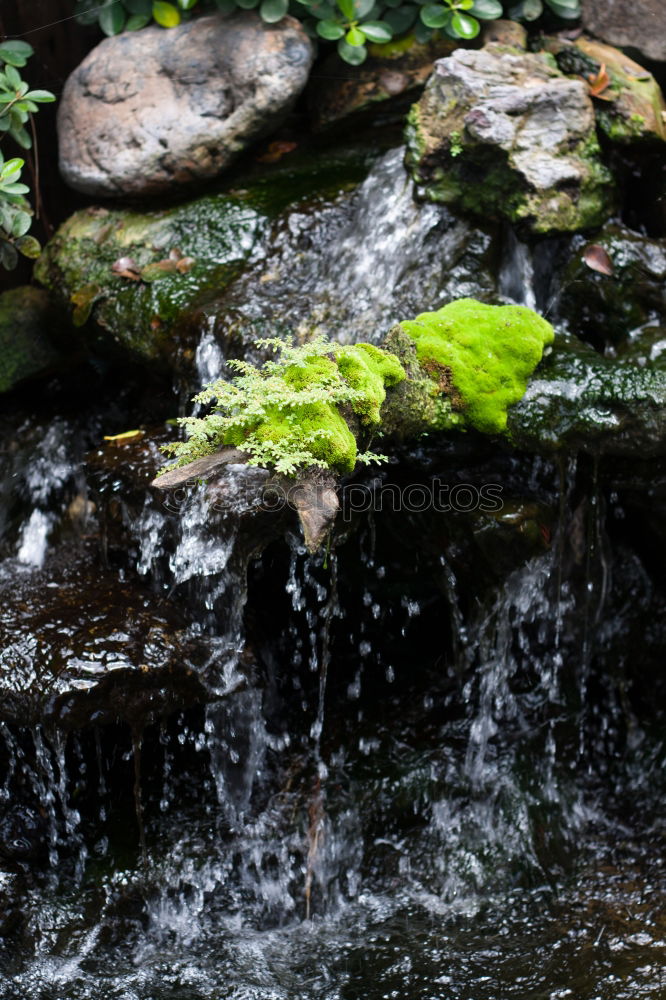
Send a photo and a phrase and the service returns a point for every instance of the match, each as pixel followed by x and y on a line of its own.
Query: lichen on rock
pixel 504 134
pixel 483 356
pixel 629 104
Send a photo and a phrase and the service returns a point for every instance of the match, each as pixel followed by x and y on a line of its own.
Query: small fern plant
pixel 294 411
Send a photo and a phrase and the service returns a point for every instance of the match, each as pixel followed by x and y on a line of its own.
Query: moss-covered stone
pixel 504 134
pixel 630 106
pixel 123 269
pixel 27 319
pixel 482 355
pixel 319 426
pixel 580 401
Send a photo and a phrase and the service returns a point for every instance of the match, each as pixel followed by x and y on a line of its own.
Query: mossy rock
pixel 27 322
pixel 482 356
pixel 135 275
pixel 503 134
pixel 578 400
pixel 604 309
pixel 630 106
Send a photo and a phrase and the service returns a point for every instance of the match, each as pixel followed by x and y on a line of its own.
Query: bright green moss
pixel 317 429
pixel 370 371
pixel 295 412
pixel 487 352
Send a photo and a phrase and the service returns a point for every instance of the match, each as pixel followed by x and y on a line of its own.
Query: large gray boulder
pixel 149 109
pixel 505 134
pixel 637 24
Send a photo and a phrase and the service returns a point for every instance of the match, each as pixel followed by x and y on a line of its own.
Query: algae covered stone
pixel 27 320
pixel 581 401
pixel 136 273
pixel 504 134
pixel 630 106
pixel 485 353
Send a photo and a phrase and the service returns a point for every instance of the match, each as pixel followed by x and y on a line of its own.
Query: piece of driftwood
pixel 201 468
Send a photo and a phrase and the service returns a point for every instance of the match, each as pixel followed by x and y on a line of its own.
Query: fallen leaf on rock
pixel 276 150
pixel 160 269
pixel 597 259
pixel 184 265
pixel 599 83
pixel 120 439
pixel 83 299
pixel 125 267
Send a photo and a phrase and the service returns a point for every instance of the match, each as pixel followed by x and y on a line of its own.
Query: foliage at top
pixel 485 353
pixel 17 104
pixel 293 413
pixel 351 24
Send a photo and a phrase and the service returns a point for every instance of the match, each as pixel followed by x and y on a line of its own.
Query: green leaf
pixel 21 224
pixel 463 4
pixel 137 21
pixel 112 18
pixel 347 8
pixel 422 33
pixel 21 136
pixel 352 54
pixel 273 10
pixel 41 96
pixel 330 30
pixel 247 4
pixel 187 4
pixel 15 188
pixel 15 52
pixel 434 15
pixel 85 14
pixel 166 14
pixel 355 37
pixel 362 8
pixel 527 10
pixel 13 78
pixel 377 31
pixel 325 12
pixel 12 168
pixel 141 7
pixel 464 26
pixel 564 10
pixel 487 10
pixel 572 4
pixel 29 247
pixel 402 19
pixel 8 255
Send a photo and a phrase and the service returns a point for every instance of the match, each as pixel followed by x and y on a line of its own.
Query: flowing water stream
pixel 424 765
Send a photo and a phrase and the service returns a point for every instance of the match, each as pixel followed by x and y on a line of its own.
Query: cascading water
pixel 374 772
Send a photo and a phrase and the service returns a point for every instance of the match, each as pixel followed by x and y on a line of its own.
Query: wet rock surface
pixel 504 133
pixel 384 85
pixel 152 109
pixel 580 401
pixel 80 648
pixel 137 274
pixel 606 308
pixel 389 255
